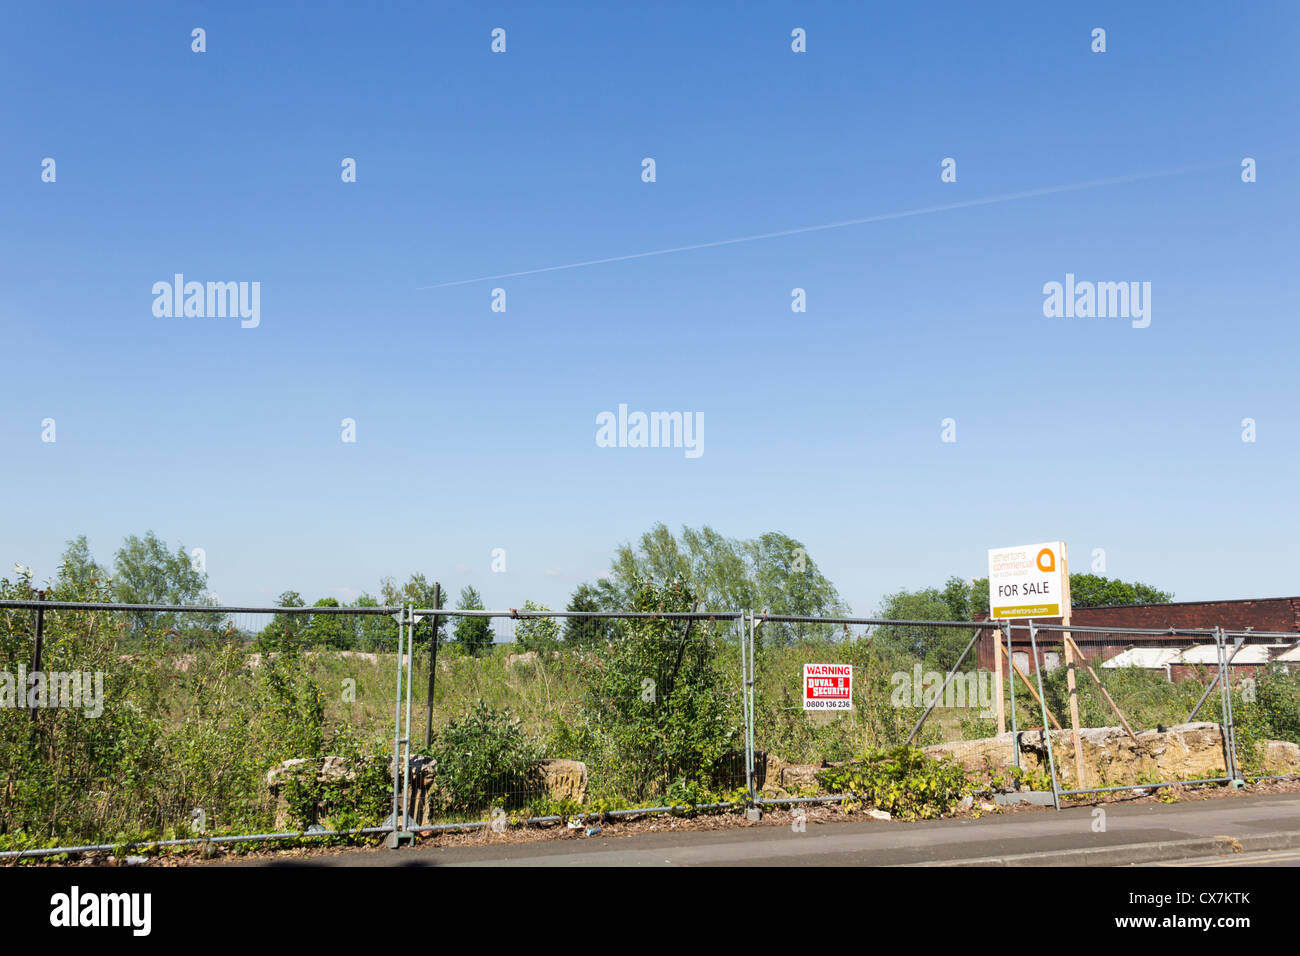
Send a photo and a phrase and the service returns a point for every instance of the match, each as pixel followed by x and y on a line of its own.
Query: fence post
pixel 1221 659
pixel 398 835
pixel 433 665
pixel 410 679
pixel 746 689
pixel 1042 702
pixel 36 647
pixel 1225 693
pixel 754 812
pixel 1238 781
pixel 397 721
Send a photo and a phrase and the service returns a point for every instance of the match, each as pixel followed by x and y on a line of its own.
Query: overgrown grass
pixel 190 728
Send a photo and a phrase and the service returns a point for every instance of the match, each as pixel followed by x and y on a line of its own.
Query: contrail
pixel 882 217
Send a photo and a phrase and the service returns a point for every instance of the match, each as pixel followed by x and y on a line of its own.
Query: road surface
pixel 1231 830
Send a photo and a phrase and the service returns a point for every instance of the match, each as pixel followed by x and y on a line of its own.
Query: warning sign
pixel 828 687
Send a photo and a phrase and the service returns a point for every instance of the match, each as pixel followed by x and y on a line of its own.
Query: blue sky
pixel 476 430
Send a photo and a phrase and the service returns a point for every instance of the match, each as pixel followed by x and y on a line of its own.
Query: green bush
pixel 903 781
pixel 483 760
pixel 1272 712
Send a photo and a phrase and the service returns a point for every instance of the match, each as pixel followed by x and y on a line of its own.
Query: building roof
pixel 1249 654
pixel 1151 658
pixel 1156 658
pixel 1281 615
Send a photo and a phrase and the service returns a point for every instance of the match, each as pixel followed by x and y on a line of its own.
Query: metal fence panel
pixel 155 723
pixel 632 711
pixel 917 682
pixel 1146 702
pixel 1264 695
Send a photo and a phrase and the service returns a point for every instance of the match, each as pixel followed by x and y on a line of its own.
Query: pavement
pixel 1262 858
pixel 1241 830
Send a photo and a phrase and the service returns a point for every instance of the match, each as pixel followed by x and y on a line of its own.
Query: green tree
pixel 146 572
pixel 540 634
pixel 284 629
pixel 789 582
pixel 80 577
pixel 1092 590
pixel 586 631
pixel 474 634
pixel 418 592
pixel 773 572
pixel 375 632
pixel 938 647
pixel 330 630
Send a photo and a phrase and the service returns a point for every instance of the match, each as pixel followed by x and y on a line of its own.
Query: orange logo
pixel 1050 564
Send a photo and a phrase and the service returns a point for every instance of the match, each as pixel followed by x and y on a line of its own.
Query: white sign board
pixel 828 687
pixel 1030 580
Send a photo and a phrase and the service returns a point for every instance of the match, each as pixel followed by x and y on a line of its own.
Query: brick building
pixel 1272 615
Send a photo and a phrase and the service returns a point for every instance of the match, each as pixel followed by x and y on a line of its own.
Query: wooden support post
pixel 1104 693
pixel 995 635
pixel 1016 667
pixel 1067 645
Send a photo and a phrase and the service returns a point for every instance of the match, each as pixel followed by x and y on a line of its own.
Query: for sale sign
pixel 1029 580
pixel 828 687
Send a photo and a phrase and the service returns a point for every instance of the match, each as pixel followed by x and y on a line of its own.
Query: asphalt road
pixel 1233 829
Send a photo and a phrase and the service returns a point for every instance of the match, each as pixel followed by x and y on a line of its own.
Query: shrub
pixel 481 760
pixel 902 781
pixel 656 705
pixel 1273 713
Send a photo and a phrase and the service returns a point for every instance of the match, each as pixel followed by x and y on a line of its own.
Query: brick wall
pixel 1258 614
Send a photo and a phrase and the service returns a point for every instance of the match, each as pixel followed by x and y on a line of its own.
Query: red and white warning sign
pixel 828 687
